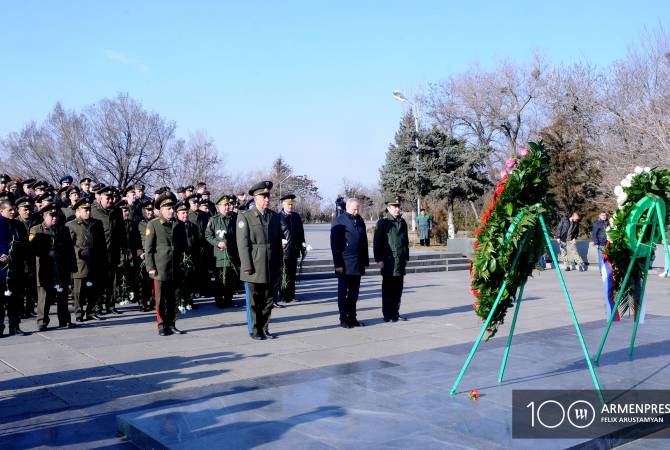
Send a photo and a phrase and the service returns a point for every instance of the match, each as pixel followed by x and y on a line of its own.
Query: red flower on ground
pixel 473 394
pixel 475 305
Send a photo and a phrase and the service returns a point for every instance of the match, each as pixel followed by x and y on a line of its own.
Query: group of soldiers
pixel 102 247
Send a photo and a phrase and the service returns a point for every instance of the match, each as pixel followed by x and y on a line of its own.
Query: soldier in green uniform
pixel 259 242
pixel 187 245
pixel 162 261
pixel 145 283
pixel 28 293
pixel 104 212
pixel 73 195
pixel 391 250
pixel 220 233
pixel 124 272
pixel 90 249
pixel 55 262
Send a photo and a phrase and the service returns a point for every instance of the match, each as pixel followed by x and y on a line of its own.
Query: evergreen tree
pixel 575 177
pixel 455 171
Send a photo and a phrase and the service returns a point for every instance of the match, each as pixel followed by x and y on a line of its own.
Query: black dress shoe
pixel 17 330
pixel 386 320
pixel 2 332
pixel 345 325
pixel 176 330
pixel 270 335
pixel 277 305
pixel 258 337
pixel 72 325
pixel 79 319
pixel 356 323
pixel 42 328
pixel 164 332
pixel 116 311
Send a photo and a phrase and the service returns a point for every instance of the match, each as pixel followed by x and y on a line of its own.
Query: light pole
pixel 401 98
pixel 283 179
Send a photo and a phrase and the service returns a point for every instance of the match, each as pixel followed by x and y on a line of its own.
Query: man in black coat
pixel 567 232
pixel 349 244
pixel 293 243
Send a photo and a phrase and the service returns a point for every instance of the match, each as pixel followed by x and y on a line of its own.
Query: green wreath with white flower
pixel 635 186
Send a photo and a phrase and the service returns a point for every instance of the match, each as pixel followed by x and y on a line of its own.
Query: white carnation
pixel 626 183
pixel 647 169
pixel 618 190
pixel 621 199
pixel 638 169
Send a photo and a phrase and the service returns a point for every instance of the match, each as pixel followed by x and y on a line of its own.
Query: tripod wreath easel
pixel 641 239
pixel 534 210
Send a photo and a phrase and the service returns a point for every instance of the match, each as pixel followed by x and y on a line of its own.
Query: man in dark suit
pixel 349 244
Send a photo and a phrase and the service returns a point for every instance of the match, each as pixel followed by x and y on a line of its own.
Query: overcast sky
pixel 310 80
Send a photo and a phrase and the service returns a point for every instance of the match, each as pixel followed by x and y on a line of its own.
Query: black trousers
pixel 225 283
pixel 146 288
pixel 47 296
pixel 347 296
pixel 391 293
pixel 185 287
pixel 28 294
pixel 259 306
pixel 107 289
pixel 288 293
pixel 85 296
pixel 11 304
pixel 166 303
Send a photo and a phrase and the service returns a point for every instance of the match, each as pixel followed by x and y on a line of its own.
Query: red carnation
pixel 473 394
pixel 476 245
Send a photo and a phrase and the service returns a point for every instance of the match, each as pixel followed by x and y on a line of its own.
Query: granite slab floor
pixel 66 388
pixel 403 401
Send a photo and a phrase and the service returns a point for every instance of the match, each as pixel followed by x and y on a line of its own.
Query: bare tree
pixel 494 110
pixel 126 143
pixel 194 160
pixel 50 150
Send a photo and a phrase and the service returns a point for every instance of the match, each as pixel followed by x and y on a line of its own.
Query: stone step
pixel 421 257
pixel 373 271
pixel 415 263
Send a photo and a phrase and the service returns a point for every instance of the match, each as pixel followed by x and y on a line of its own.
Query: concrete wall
pixel 585 248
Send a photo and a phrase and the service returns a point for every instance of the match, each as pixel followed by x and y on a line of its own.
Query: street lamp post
pixel 279 185
pixel 401 98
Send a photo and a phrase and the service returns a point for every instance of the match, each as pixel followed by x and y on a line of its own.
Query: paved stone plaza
pixel 318 384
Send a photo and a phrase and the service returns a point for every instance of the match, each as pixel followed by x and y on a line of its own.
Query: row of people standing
pixel 96 248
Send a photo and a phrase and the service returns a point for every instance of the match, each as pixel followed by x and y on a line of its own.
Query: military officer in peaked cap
pixel 85 188
pixel 25 208
pixel 90 249
pixel 221 234
pixel 294 247
pixel 391 252
pixel 104 212
pixel 145 283
pixel 55 262
pixel 65 181
pixel 162 262
pixel 259 244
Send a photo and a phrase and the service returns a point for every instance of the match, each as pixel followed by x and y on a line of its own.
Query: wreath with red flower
pixel 524 186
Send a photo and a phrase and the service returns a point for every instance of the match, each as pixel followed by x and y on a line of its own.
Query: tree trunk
pixel 450 218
